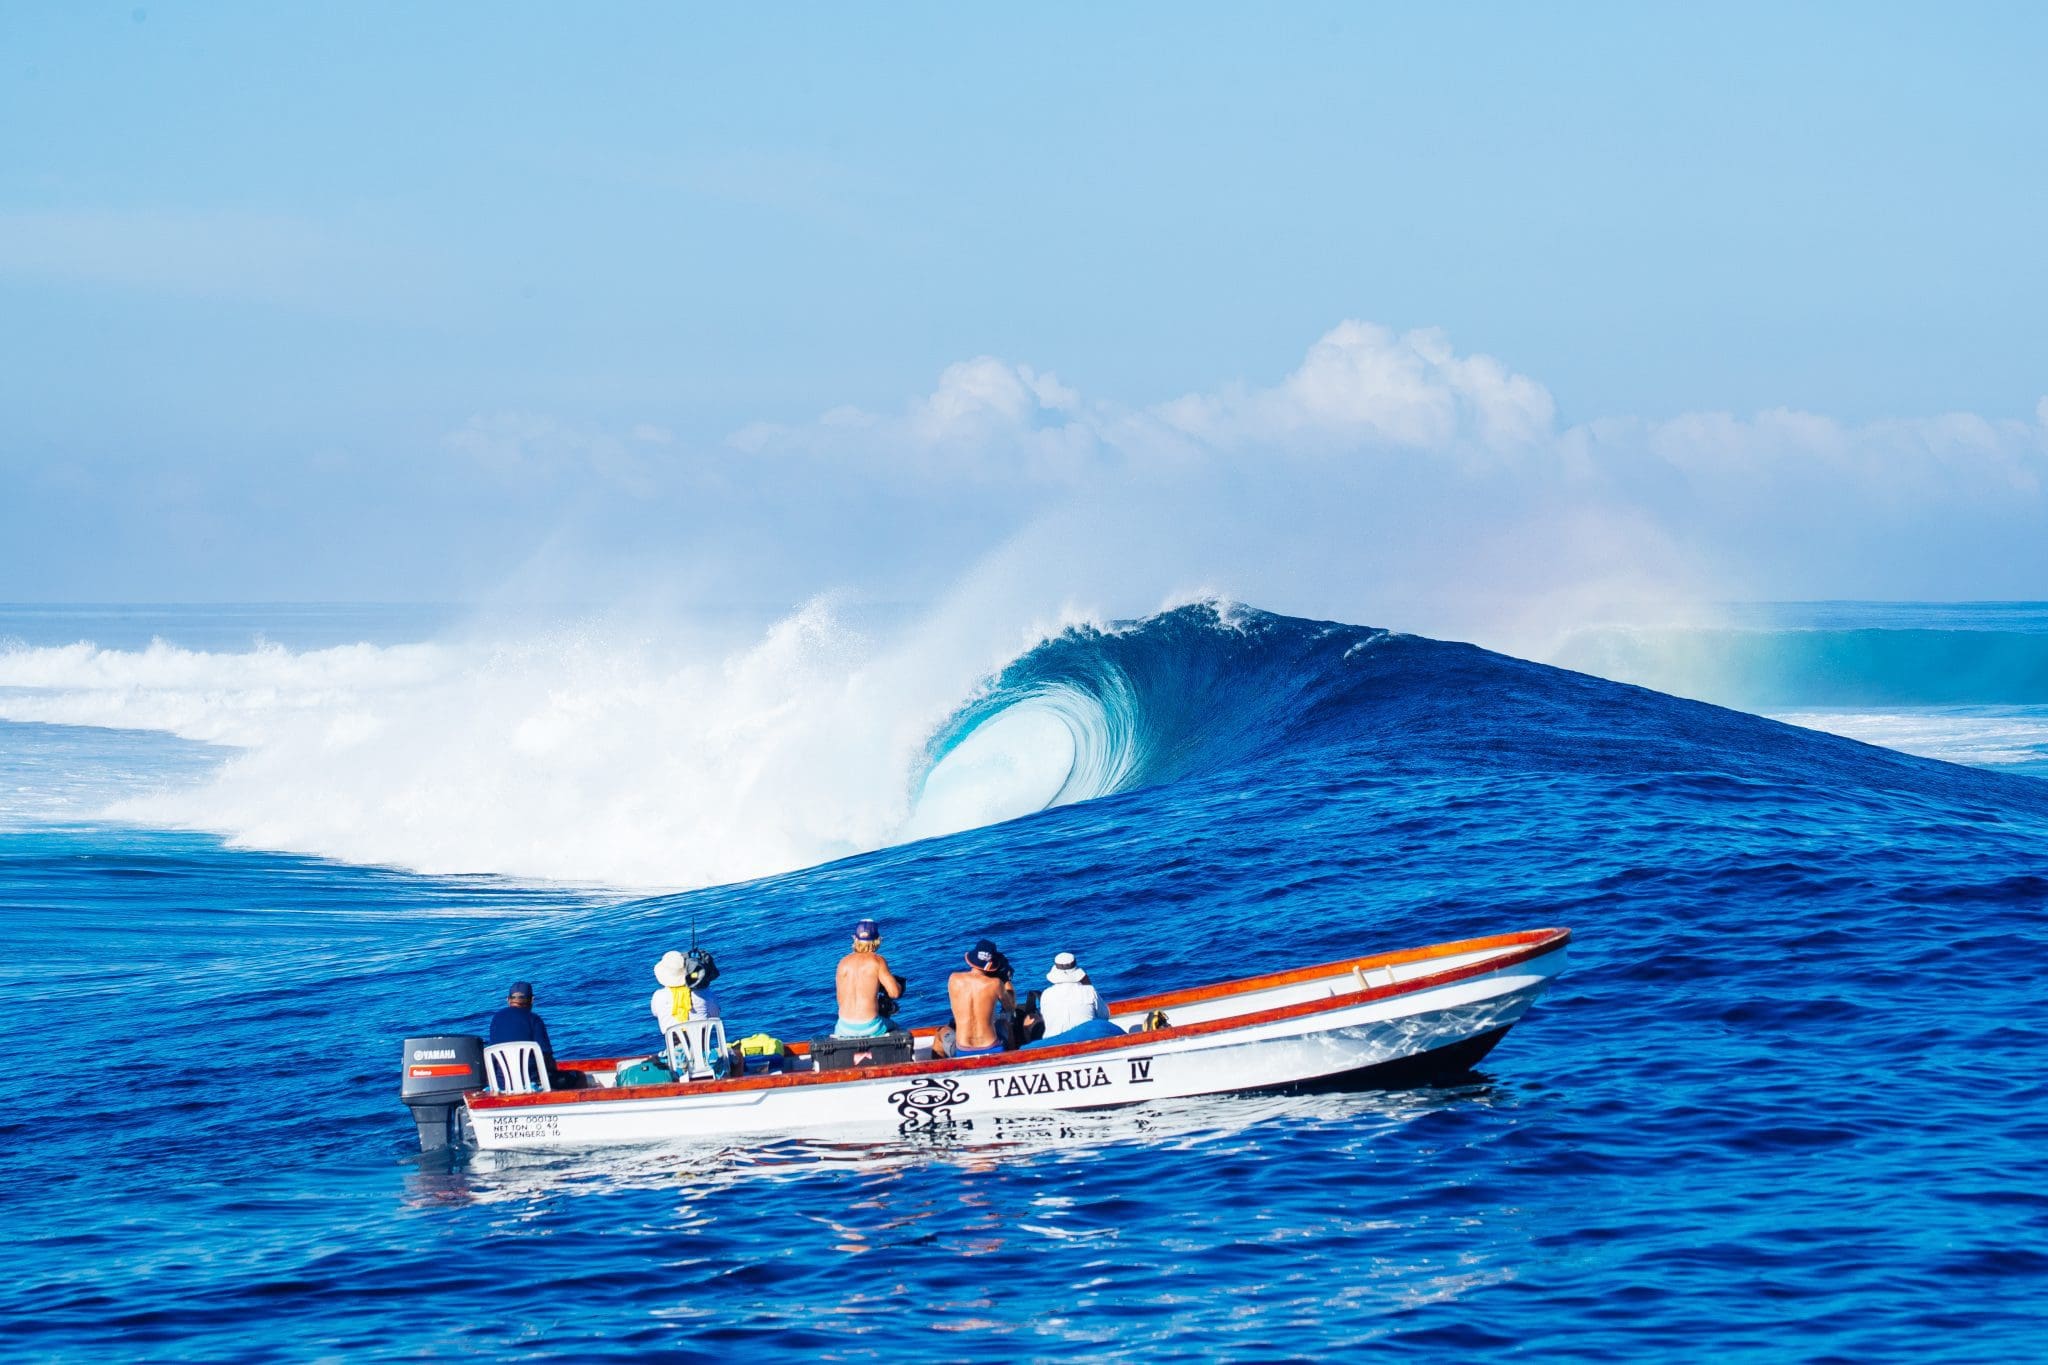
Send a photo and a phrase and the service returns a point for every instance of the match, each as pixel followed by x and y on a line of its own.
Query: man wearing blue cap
pixel 863 976
pixel 978 995
pixel 517 1023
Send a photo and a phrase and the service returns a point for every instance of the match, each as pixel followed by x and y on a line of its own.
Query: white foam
pixel 221 698
pixel 599 753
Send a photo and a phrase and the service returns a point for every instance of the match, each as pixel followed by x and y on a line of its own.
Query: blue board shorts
pixel 867 1028
pixel 977 1051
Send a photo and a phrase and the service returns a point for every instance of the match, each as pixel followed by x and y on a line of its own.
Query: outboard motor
pixel 439 1071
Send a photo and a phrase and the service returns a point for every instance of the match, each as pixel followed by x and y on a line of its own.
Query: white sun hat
pixel 1065 969
pixel 673 969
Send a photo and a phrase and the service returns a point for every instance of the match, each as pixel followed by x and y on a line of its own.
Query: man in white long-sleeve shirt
pixel 1071 1000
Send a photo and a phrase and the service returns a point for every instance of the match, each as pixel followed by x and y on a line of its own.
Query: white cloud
pixel 1393 458
pixel 1955 454
pixel 1387 465
pixel 985 397
pixel 1366 399
pixel 1361 385
pixel 987 418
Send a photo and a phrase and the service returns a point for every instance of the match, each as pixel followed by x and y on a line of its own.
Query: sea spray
pixel 600 751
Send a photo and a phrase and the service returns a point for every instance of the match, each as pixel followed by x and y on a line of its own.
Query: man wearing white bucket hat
pixel 683 978
pixel 1071 1000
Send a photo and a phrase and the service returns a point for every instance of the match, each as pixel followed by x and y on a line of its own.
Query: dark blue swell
pixel 1786 1105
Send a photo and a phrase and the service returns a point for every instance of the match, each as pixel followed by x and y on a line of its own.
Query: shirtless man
pixel 976 994
pixel 861 973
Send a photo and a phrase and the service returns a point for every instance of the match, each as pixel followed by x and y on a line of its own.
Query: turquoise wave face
pixel 1780 1107
pixel 1929 656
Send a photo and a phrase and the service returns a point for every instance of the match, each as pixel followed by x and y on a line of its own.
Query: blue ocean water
pixel 1783 1106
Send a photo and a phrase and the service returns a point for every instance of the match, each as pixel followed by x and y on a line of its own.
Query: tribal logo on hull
pixel 927 1105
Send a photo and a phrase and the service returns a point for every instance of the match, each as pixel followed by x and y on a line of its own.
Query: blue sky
pixel 376 302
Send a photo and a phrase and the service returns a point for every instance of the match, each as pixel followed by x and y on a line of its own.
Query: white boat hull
pixel 1304 1029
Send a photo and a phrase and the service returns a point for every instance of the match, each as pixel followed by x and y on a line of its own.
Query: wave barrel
pixel 438 1071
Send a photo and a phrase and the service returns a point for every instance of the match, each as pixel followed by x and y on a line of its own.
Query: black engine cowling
pixel 439 1071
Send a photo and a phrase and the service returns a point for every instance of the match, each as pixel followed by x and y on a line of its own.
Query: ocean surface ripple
pixel 1783 1106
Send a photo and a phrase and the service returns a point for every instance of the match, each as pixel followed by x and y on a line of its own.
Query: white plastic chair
pixel 516 1069
pixel 696 1048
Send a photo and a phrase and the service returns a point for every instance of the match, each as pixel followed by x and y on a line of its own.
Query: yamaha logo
pixel 433 1055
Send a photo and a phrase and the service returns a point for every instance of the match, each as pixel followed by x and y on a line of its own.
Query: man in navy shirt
pixel 517 1023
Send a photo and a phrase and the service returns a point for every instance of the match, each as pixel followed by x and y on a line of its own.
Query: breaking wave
pixel 603 755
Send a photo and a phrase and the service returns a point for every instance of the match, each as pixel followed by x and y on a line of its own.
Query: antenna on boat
pixel 693 931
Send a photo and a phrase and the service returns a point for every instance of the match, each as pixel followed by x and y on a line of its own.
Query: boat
pixel 1388 1019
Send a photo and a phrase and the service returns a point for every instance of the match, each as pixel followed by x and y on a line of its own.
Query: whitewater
pixel 592 750
pixel 1780 1108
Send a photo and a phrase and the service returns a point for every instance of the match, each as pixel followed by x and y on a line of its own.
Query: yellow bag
pixel 761 1045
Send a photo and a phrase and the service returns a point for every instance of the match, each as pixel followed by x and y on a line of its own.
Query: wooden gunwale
pixel 1533 943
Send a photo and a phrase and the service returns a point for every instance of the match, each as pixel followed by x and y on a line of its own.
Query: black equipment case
pixel 839 1054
